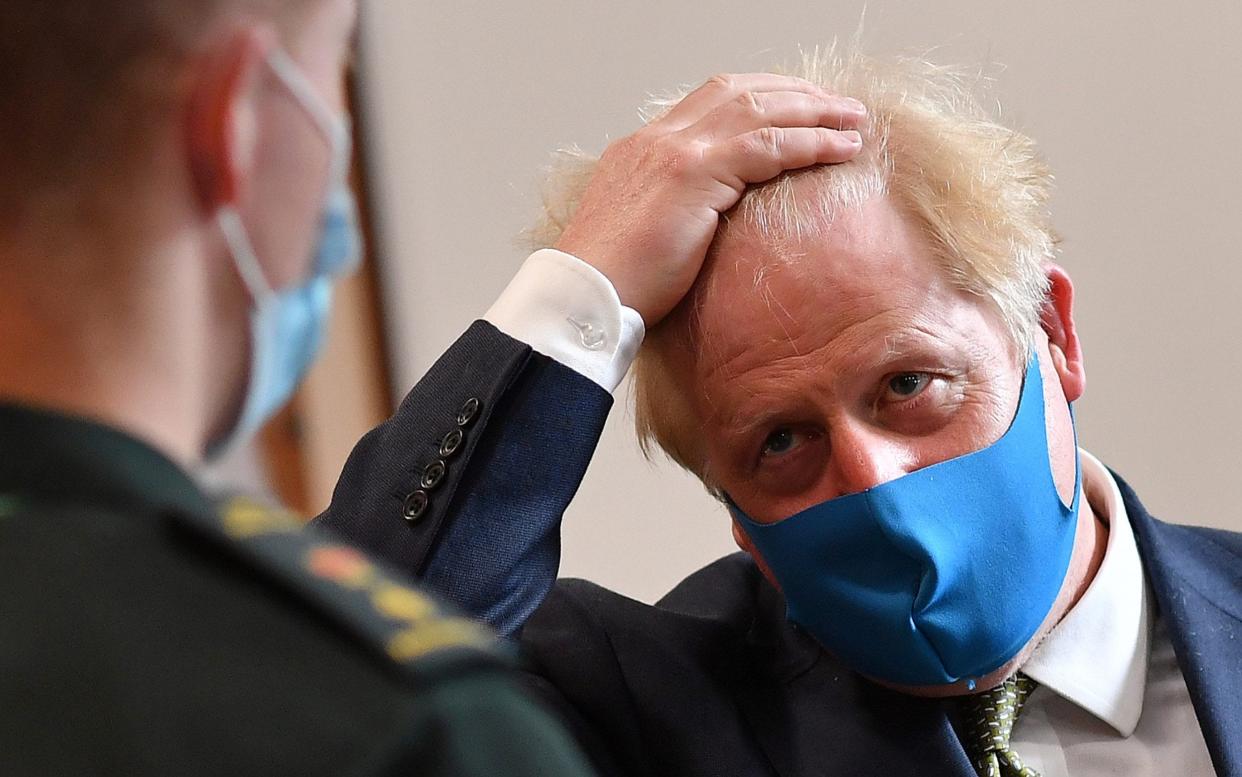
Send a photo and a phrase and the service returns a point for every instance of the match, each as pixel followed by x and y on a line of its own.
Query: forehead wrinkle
pixel 904 343
pixel 729 342
pixel 856 336
pixel 724 352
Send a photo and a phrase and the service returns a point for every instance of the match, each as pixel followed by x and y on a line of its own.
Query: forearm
pixel 499 556
pixel 380 503
pixel 487 534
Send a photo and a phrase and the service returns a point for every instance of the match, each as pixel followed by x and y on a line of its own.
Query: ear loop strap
pixel 242 251
pixel 335 128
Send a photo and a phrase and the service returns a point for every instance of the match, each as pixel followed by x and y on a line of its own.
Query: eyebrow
pixel 896 347
pixel 745 428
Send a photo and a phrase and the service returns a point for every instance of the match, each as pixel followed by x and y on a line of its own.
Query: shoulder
pixel 244 561
pixel 1151 529
pixel 148 622
pixel 393 620
pixel 629 668
pixel 1208 560
pixel 719 591
pixel 711 609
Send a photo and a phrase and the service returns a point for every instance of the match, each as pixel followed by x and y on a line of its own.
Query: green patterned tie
pixel 990 717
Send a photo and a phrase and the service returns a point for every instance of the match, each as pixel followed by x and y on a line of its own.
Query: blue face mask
pixel 941 575
pixel 287 326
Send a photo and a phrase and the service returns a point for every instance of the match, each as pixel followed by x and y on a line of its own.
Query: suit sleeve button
pixel 452 443
pixel 469 411
pixel 415 505
pixel 434 473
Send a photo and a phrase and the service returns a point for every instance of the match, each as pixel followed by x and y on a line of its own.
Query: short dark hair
pixel 84 83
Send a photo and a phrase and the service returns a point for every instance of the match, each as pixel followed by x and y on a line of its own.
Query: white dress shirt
pixel 1111 699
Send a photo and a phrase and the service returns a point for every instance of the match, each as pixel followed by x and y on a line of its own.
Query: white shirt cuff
pixel 566 309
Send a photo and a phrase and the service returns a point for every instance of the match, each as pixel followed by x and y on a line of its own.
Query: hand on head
pixel 656 197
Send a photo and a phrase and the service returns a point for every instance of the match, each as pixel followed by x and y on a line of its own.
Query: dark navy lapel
pixel 813 716
pixel 1196 574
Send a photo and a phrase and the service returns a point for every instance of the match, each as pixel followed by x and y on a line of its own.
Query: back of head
pixel 976 190
pixel 85 85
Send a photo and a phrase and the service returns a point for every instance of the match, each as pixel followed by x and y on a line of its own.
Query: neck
pixel 110 338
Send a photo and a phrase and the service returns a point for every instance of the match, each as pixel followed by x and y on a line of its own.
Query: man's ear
pixel 742 540
pixel 221 114
pixel 1057 320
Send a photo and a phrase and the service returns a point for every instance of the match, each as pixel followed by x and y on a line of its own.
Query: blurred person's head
pixel 858 322
pixel 130 131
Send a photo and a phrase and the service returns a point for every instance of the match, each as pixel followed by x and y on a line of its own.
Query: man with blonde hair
pixel 874 372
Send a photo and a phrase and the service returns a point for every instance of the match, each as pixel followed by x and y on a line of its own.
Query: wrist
pixel 615 270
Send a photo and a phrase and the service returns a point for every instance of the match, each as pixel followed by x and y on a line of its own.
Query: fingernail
pixel 854 137
pixel 855 105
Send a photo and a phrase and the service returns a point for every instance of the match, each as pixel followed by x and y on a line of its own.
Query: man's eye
pixel 782 441
pixel 907 384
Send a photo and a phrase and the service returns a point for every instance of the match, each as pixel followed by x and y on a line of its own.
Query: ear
pixel 221 114
pixel 1057 320
pixel 743 541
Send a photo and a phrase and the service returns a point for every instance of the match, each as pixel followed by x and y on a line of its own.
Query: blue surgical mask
pixel 941 575
pixel 287 326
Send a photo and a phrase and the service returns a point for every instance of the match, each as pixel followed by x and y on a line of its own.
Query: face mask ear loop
pixel 1074 503
pixel 244 257
pixel 334 128
pixel 1072 507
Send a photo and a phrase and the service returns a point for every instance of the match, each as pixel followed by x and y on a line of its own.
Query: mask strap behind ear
pixel 242 251
pixel 334 127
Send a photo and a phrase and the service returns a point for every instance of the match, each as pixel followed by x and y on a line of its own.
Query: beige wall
pixel 1136 105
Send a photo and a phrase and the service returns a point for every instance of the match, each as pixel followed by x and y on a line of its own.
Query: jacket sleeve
pixel 465 486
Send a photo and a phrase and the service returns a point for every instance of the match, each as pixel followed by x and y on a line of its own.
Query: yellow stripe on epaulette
pixel 244 518
pixel 393 617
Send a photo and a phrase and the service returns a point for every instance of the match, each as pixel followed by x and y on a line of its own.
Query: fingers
pixel 750 111
pixel 767 152
pixel 754 126
pixel 720 89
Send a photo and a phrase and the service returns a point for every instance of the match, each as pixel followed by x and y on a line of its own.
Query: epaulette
pixel 425 639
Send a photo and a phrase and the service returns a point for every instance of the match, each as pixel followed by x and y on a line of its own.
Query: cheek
pixel 984 418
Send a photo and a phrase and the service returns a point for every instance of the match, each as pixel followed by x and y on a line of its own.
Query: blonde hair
pixel 977 190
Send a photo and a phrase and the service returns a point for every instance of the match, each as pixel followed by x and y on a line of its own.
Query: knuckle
pixel 750 103
pixel 769 141
pixel 662 155
pixel 677 160
pixel 722 81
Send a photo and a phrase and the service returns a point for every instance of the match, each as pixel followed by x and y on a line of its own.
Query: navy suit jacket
pixel 712 680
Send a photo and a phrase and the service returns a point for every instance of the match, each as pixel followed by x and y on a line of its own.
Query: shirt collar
pixel 1096 657
pixel 48 455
